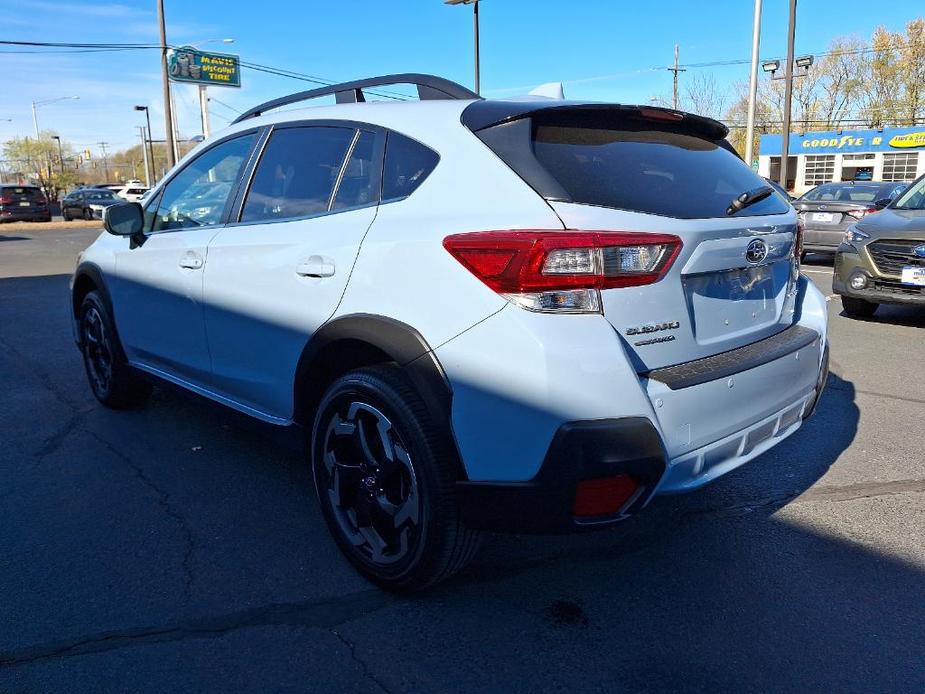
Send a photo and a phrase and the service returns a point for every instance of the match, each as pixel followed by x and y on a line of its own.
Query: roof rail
pixel 429 87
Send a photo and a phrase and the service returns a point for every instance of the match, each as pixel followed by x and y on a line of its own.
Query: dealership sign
pixel 837 141
pixel 186 64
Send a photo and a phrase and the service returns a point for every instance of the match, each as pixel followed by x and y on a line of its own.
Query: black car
pixel 23 204
pixel 829 209
pixel 87 203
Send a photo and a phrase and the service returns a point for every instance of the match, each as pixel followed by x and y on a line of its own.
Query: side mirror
pixel 880 204
pixel 124 219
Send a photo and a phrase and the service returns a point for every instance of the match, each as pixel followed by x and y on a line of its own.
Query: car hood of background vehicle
pixel 895 223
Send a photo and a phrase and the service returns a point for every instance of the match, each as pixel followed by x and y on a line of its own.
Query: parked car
pixel 881 259
pixel 87 203
pixel 23 204
pixel 526 316
pixel 133 191
pixel 829 209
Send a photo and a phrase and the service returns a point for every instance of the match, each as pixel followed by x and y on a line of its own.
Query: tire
pixel 67 217
pixel 858 308
pixel 393 514
pixel 88 214
pixel 112 380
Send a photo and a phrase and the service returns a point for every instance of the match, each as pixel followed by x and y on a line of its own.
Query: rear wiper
pixel 749 197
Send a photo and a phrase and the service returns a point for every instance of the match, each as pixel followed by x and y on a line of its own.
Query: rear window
pixel 21 192
pixel 602 158
pixel 848 193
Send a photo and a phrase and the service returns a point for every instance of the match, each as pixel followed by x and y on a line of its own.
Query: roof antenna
pixel 550 90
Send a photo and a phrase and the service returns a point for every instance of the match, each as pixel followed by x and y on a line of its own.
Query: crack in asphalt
pixel 163 500
pixel 367 672
pixel 322 614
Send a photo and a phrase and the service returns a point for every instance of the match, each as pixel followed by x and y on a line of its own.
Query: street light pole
pixel 60 153
pixel 475 32
pixel 168 115
pixel 204 110
pixel 788 95
pixel 144 151
pixel 149 143
pixel 753 87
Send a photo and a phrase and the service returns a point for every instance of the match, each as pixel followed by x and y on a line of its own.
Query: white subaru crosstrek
pixel 527 315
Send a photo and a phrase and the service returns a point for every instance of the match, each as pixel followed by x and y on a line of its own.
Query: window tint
pixel 297 173
pixel 356 186
pixel 197 195
pixel 644 167
pixel 407 164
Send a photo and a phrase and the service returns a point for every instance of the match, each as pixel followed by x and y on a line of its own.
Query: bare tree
pixel 703 96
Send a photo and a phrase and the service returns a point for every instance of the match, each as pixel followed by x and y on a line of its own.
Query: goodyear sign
pixel 186 64
pixel 836 142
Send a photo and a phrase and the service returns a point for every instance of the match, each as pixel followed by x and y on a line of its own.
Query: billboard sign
pixel 187 64
pixel 838 141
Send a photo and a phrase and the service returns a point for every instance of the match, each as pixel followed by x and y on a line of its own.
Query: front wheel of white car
pixel 113 382
pixel 385 480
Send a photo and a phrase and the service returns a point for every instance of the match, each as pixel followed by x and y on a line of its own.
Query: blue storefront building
pixel 890 154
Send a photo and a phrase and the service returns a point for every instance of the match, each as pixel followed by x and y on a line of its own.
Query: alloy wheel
pixel 371 483
pixel 97 351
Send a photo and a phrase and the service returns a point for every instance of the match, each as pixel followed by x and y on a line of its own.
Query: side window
pixel 297 173
pixel 407 164
pixel 197 195
pixel 356 185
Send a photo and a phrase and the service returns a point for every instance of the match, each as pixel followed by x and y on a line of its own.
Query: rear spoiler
pixel 485 114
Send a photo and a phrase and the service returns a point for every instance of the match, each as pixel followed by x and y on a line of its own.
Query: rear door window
pixel 297 173
pixel 407 164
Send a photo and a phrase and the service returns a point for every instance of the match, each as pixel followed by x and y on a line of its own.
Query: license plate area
pixel 738 301
pixel 914 276
pixel 822 217
pixel 24 203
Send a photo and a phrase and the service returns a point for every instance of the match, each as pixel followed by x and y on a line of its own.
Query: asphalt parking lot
pixel 179 548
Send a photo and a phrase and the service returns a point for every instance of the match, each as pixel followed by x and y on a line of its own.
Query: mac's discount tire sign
pixel 186 64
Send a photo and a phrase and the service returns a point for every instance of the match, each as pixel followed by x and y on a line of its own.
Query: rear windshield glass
pixel 100 195
pixel 638 165
pixel 21 192
pixel 847 193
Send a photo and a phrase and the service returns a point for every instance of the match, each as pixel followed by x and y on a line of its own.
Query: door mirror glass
pixel 123 219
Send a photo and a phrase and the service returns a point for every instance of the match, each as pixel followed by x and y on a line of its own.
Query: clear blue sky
pixel 600 49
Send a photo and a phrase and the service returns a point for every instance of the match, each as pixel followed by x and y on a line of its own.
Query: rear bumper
pixel 579 451
pixel 528 387
pixel 825 240
pixel 21 214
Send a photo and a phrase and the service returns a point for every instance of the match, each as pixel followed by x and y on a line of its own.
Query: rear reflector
pixel 603 497
pixel 571 266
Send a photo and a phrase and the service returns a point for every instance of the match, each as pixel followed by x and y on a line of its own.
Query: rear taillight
pixel 563 271
pixel 860 214
pixel 4 200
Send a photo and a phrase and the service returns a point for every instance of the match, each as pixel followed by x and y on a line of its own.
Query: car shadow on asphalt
pixel 757 582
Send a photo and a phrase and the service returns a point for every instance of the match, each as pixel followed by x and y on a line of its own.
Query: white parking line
pixel 817 272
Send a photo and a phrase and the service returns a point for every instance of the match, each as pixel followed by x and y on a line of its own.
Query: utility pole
pixel 753 87
pixel 105 161
pixel 788 95
pixel 475 30
pixel 144 150
pixel 168 114
pixel 60 153
pixel 676 70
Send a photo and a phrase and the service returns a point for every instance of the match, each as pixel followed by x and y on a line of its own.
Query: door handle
pixel 191 261
pixel 315 266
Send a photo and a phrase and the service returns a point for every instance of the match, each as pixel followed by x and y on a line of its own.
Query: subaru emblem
pixel 756 251
pixel 919 251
